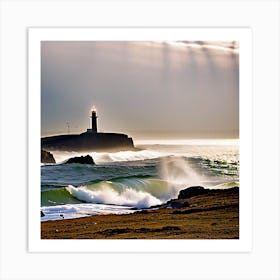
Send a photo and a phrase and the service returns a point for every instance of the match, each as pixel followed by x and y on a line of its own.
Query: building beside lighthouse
pixel 91 140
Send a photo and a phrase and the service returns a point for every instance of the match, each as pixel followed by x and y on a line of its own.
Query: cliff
pixel 88 142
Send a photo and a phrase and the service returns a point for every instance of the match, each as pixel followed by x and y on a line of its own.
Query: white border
pixel 262 262
pixel 243 35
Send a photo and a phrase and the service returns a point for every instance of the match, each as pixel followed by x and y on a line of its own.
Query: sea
pixel 128 181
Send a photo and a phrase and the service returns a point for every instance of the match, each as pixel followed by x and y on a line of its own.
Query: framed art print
pixel 139 139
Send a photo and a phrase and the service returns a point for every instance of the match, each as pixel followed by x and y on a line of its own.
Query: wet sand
pixel 204 216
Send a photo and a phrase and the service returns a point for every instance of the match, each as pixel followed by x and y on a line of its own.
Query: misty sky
pixel 145 89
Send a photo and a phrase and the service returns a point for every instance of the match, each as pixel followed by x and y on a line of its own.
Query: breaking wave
pixel 122 182
pixel 133 192
pixel 100 158
pixel 174 174
pixel 108 195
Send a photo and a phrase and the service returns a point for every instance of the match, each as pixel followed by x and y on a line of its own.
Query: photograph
pixel 140 139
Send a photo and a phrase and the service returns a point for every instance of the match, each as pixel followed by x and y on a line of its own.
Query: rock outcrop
pixel 183 199
pixel 191 191
pixel 198 190
pixel 47 157
pixel 82 160
pixel 177 204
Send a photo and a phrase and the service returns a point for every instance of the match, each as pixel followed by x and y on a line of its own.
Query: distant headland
pixel 91 140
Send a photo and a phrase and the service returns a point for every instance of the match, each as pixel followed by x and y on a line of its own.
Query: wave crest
pixel 99 158
pixel 108 195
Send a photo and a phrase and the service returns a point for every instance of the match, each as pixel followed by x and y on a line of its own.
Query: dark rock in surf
pixel 82 160
pixel 175 204
pixel 178 204
pixel 192 191
pixel 47 157
pixel 42 214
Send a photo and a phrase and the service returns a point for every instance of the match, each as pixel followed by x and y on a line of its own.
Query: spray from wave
pixel 176 170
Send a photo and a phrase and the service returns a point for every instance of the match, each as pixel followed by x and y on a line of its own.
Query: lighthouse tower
pixel 93 120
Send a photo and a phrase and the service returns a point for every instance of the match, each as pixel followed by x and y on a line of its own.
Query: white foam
pixel 214 150
pixel 125 156
pixel 67 211
pixel 62 156
pixel 108 195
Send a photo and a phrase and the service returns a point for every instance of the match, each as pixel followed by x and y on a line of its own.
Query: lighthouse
pixel 93 120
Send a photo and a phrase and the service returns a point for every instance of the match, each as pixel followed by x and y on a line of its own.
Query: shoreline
pixel 211 215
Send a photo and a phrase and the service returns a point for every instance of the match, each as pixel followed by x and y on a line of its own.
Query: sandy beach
pixel 214 215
